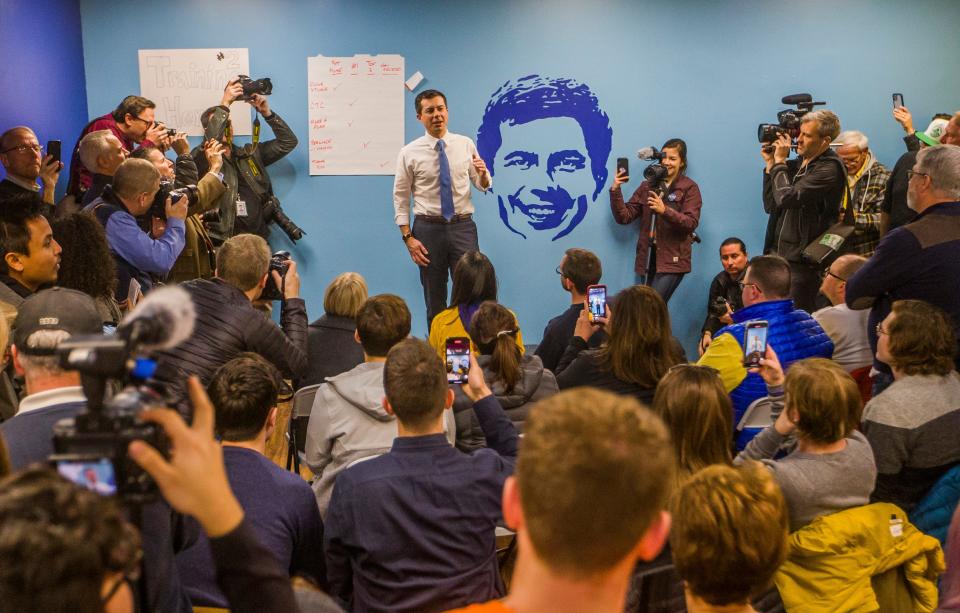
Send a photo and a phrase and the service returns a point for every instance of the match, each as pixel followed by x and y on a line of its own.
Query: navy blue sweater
pixel 918 261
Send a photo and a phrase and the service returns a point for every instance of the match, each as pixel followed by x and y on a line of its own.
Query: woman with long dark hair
pixel 672 206
pixel 517 380
pixel 474 281
pixel 86 264
pixel 639 350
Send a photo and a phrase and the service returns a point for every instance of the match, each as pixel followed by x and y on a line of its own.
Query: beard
pixel 553 208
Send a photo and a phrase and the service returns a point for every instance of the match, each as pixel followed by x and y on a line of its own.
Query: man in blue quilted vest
pixel 792 332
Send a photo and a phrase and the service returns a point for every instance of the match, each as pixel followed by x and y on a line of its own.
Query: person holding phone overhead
pixel 669 212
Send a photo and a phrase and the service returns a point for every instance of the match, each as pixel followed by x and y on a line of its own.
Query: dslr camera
pixel 254 86
pixel 273 212
pixel 280 262
pixel 788 120
pixel 158 208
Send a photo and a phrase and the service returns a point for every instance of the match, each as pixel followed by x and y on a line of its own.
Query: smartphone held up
pixel 458 359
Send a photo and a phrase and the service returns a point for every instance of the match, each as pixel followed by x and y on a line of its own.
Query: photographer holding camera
pixel 805 195
pixel 248 204
pixel 196 261
pixel 135 184
pixel 228 324
pixel 667 204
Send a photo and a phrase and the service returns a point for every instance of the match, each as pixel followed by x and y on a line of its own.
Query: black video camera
pixel 273 212
pixel 91 449
pixel 655 173
pixel 280 262
pixel 718 308
pixel 158 208
pixel 788 120
pixel 254 86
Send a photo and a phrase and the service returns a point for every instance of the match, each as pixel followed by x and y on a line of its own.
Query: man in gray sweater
pixel 348 422
pixel 830 467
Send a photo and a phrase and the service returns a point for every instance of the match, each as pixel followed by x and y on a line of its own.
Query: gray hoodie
pixel 348 424
pixel 535 383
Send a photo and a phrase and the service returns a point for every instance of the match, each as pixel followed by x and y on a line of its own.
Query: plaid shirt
pixel 866 195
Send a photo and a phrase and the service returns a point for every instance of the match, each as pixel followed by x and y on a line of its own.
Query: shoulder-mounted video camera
pixel 788 120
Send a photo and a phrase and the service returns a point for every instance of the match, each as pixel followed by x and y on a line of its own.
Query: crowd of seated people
pixel 556 478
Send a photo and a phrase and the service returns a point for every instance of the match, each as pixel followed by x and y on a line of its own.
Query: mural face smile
pixel 543 175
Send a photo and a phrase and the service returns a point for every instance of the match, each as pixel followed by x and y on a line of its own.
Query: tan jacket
pixel 196 259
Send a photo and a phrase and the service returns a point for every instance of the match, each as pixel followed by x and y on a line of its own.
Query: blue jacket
pixel 933 513
pixel 793 334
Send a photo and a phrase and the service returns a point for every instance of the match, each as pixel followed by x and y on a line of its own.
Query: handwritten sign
pixel 355 109
pixel 183 83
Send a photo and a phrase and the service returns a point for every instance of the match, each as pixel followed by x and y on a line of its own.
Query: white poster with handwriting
pixel 355 109
pixel 183 83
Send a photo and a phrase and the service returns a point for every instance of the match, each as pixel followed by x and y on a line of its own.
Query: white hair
pixel 43 339
pixel 852 137
pixel 92 146
pixel 942 164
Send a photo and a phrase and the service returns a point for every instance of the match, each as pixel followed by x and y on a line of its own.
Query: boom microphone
pixel 163 319
pixel 647 153
pixel 795 99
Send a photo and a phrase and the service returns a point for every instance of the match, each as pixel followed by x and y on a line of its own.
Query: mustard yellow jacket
pixel 840 562
pixel 447 324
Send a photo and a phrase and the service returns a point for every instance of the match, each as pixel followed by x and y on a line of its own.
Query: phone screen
pixel 458 359
pixel 755 342
pixel 623 165
pixel 897 101
pixel 597 299
pixel 95 474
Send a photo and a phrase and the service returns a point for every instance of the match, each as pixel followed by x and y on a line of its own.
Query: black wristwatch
pixel 406 236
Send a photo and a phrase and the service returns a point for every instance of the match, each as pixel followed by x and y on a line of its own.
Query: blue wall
pixel 707 72
pixel 42 81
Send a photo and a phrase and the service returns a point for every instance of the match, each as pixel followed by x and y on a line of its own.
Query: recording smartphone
pixel 597 300
pixel 53 148
pixel 897 101
pixel 97 474
pixel 754 343
pixel 623 166
pixel 458 359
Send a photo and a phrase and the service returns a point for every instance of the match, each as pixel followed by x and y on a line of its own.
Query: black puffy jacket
pixel 228 325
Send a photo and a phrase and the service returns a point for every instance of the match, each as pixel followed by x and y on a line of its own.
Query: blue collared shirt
pixel 130 242
pixel 414 529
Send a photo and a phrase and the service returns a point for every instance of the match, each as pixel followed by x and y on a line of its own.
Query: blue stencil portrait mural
pixel 546 141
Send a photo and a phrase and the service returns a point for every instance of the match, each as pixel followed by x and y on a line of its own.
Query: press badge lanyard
pixel 241 205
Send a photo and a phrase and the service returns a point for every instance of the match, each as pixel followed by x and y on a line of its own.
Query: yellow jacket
pixel 447 324
pixel 839 562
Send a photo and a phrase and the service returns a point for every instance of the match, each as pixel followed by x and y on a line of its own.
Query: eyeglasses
pixel 912 173
pixel 881 331
pixel 743 285
pixel 23 148
pixel 559 272
pixel 837 277
pixel 130 575
pixel 149 122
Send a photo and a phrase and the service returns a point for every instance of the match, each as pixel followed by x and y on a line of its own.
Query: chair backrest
pixel 758 415
pixel 303 400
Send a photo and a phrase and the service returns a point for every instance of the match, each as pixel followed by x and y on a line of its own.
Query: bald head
pixel 834 285
pixel 20 153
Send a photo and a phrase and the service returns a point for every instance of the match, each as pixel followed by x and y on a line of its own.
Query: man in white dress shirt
pixel 436 170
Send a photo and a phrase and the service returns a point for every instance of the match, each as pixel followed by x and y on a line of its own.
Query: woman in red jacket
pixel 673 209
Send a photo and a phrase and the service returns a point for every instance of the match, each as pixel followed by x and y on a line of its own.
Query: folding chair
pixel 299 418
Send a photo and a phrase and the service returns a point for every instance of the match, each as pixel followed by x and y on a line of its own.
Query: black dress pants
pixel 445 243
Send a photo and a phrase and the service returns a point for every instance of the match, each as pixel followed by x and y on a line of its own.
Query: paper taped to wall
pixel 185 82
pixel 355 111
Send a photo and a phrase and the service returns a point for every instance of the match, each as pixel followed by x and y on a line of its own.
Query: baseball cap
pixel 931 136
pixel 57 308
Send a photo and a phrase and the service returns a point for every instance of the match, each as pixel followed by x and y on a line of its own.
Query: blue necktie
pixel 446 185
